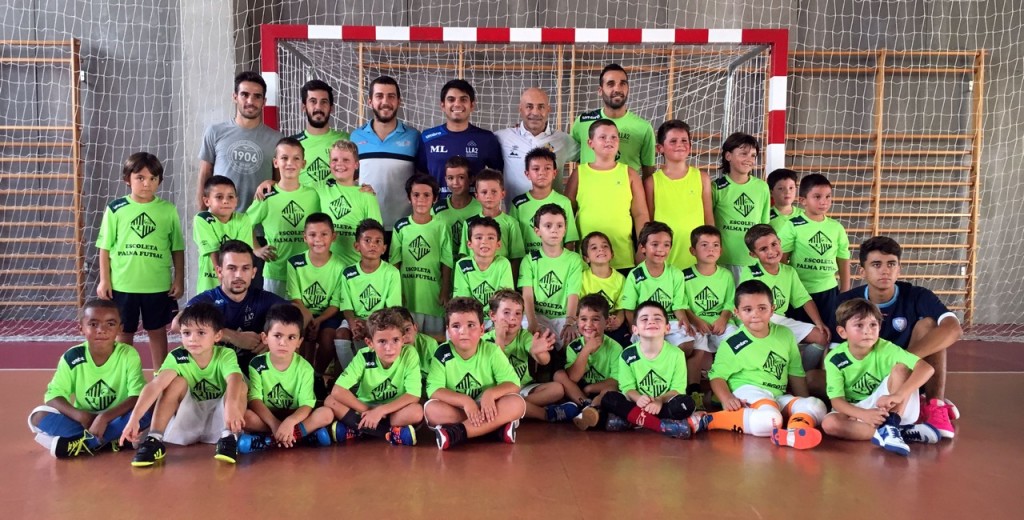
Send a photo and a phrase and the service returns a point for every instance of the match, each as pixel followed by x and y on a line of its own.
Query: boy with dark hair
pixel 873 384
pixel 367 286
pixel 345 201
pixel 484 273
pixel 91 395
pixel 459 204
pixel 740 199
pixel 220 222
pixel 421 250
pixel 457 136
pixel 473 388
pixel 541 170
pixel 782 185
pixel 600 278
pixel 591 365
pixel 424 344
pixel 551 277
pixel 490 192
pixel 709 291
pixel 140 242
pixel 199 393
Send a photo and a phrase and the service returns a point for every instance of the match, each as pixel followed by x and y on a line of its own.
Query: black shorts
pixel 157 310
pixel 825 301
pixel 334 322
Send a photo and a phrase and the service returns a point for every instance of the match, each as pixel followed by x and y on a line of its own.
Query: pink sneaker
pixel 954 412
pixel 936 414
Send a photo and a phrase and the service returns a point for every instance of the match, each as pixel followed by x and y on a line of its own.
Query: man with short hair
pixel 533 131
pixel 241 149
pixel 457 136
pixel 317 103
pixel 636 136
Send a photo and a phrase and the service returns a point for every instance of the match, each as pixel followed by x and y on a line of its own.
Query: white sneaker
pixel 888 438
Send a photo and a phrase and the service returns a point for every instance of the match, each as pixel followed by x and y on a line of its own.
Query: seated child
pixel 219 223
pixel 874 384
pixel 199 393
pixel 652 380
pixel 521 347
pixel 600 278
pixel 281 389
pixel 551 278
pixel 709 293
pixel 424 344
pixel 91 395
pixel 591 364
pixel 484 272
pixel 378 395
pixel 751 376
pixel 472 386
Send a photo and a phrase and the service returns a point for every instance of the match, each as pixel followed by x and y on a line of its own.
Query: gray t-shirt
pixel 246 156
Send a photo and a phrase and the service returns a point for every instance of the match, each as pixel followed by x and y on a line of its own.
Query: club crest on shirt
pixel 384 391
pixel 483 292
pixel 867 383
pixel 899 323
pixel 100 396
pixel 550 284
pixel 293 213
pixel 142 225
pixel 469 385
pixel 419 248
pixel 774 364
pixel 206 390
pixel 778 298
pixel 706 299
pixel 279 398
pixel 820 243
pixel 652 384
pixel 314 295
pixel 370 297
pixel 743 205
pixel 340 207
pixel 318 170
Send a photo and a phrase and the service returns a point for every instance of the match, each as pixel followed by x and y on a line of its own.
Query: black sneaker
pixel 449 435
pixel 227 449
pixel 70 447
pixel 150 452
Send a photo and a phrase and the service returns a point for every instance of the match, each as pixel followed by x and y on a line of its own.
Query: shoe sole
pixel 148 463
pixel 442 443
pixel 890 448
pixel 225 458
pixel 587 419
pixel 797 438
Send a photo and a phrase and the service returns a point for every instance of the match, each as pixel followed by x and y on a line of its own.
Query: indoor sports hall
pixel 910 108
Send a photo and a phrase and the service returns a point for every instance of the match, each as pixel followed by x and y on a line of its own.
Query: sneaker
pixel 936 415
pixel 922 433
pixel 698 421
pixel 249 443
pixel 448 435
pixel 339 433
pixel 319 438
pixel 70 447
pixel 888 438
pixel 562 412
pixel 508 432
pixel 676 429
pixel 150 452
pixel 801 437
pixel 402 436
pixel 587 419
pixel 954 412
pixel 614 423
pixel 227 449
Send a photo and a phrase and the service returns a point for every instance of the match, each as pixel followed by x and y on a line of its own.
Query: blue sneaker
pixel 676 429
pixel 402 436
pixel 922 433
pixel 319 437
pixel 888 438
pixel 339 433
pixel 698 422
pixel 562 412
pixel 249 443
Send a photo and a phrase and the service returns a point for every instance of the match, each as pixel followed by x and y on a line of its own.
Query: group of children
pixel 611 337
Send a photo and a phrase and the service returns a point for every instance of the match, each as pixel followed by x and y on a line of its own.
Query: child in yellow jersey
pixel 678 194
pixel 609 196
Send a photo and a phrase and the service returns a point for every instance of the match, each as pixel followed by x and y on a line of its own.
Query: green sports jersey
pixel 419 251
pixel 777 220
pixel 317 151
pixel 856 379
pixel 787 289
pixel 140 239
pixel 553 279
pixel 316 287
pixel 487 368
pixel 208 233
pixel 455 219
pixel 470 281
pixel 610 288
pixel 524 207
pixel 93 388
pixel 281 390
pixel 709 296
pixel 737 207
pixel 667 289
pixel 204 383
pixel 766 363
pixel 425 347
pixel 365 293
pixel 347 206
pixel 511 237
pixel 814 248
pixel 283 215
pixel 517 352
pixel 652 377
pixel 374 384
pixel 601 365
pixel 636 138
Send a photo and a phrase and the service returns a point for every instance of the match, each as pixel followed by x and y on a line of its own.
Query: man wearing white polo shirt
pixel 532 132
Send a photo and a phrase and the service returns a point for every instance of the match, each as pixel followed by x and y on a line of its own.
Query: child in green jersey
pixel 345 201
pixel 591 364
pixel 459 205
pixel 424 344
pixel 379 393
pixel 521 347
pixel 782 185
pixel 551 278
pixel 199 393
pixel 709 293
pixel 421 250
pixel 367 286
pixel 140 241
pixel 281 396
pixel 652 380
pixel 473 388
pixel 600 278
pixel 490 192
pixel 739 199
pixel 678 194
pixel 91 395
pixel 485 272
pixel 751 377
pixel 541 171
pixel 282 212
pixel 314 286
pixel 873 384
pixel 817 246
pixel 218 224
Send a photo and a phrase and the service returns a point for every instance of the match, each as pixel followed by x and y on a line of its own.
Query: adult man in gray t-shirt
pixel 241 149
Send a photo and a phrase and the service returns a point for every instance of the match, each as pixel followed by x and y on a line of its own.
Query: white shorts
pixel 752 394
pixel 526 390
pixel 710 342
pixel 800 329
pixel 676 335
pixel 196 421
pixel 428 324
pixel 45 440
pixel 910 413
pixel 278 287
pixel 554 324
